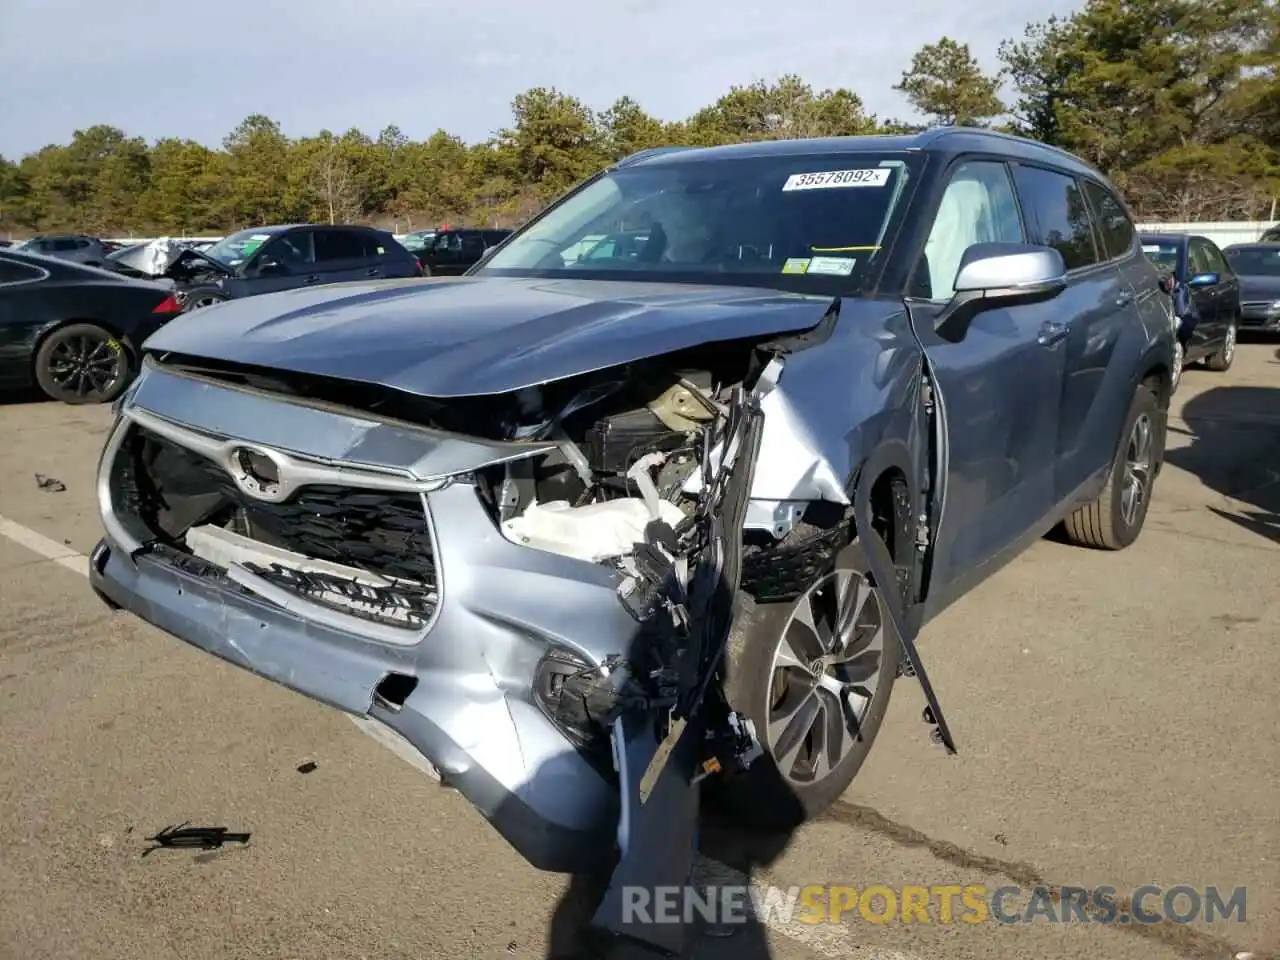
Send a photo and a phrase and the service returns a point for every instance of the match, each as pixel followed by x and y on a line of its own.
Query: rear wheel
pixel 1115 519
pixel 1220 360
pixel 814 675
pixel 82 363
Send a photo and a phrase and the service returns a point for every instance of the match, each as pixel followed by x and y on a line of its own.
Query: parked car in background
pixel 841 383
pixel 1258 267
pixel 1270 235
pixel 76 247
pixel 1206 298
pixel 414 242
pixel 270 259
pixel 450 253
pixel 74 331
pixel 6 243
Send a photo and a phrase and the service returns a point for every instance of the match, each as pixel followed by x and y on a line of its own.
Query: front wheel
pixel 1179 362
pixel 1220 361
pixel 1115 519
pixel 814 675
pixel 82 363
pixel 199 299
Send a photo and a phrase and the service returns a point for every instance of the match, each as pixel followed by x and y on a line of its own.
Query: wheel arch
pixel 885 490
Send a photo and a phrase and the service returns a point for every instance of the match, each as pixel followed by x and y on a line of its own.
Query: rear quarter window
pixel 13 272
pixel 1114 226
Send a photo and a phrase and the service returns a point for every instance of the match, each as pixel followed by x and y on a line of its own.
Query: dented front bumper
pixel 500 610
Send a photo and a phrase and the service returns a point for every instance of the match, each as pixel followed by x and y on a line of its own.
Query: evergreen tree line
pixel 1178 101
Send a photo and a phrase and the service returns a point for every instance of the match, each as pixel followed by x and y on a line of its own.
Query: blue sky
pixel 194 69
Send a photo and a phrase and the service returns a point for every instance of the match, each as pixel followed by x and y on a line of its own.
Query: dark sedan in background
pixel 74 331
pixel 451 253
pixel 1258 267
pixel 274 258
pixel 1206 298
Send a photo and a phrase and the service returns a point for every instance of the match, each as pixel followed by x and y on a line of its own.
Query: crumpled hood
pixel 470 336
pixel 162 258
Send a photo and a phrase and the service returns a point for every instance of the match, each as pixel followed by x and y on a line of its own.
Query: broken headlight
pixel 581 701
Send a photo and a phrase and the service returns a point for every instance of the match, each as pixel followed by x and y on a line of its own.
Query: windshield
pixel 1163 253
pixel 236 249
pixel 1255 261
pixel 792 222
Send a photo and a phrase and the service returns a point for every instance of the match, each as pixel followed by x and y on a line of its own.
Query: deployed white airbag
pixel 594 532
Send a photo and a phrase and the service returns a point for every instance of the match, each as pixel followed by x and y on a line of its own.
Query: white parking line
pixel 827 940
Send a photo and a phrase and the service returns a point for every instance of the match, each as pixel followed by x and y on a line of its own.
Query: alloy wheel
pixel 1137 470
pixel 1229 344
pixel 1179 358
pixel 825 675
pixel 86 365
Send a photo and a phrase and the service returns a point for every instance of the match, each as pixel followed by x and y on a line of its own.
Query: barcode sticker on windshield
pixel 873 177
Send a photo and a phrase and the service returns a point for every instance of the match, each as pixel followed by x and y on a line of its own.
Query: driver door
pixel 283 263
pixel 1204 299
pixel 997 391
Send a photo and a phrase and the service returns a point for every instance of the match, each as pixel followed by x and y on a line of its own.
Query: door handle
pixel 314 278
pixel 1052 332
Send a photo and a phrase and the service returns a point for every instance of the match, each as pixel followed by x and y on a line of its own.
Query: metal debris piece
pixel 184 835
pixel 49 484
pixel 307 767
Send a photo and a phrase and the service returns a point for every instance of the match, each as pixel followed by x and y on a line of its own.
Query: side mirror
pixel 271 268
pixel 1204 280
pixel 488 250
pixel 994 275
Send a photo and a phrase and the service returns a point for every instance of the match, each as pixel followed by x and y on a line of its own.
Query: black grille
pixel 161 489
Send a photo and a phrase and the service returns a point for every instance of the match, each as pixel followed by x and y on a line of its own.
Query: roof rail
pixel 940 132
pixel 646 154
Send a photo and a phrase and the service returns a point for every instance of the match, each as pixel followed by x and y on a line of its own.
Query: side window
pixel 64 243
pixel 1057 214
pixel 338 245
pixel 1114 225
pixel 1217 263
pixel 449 241
pixel 11 272
pixel 376 245
pixel 293 250
pixel 473 244
pixel 978 206
pixel 1199 258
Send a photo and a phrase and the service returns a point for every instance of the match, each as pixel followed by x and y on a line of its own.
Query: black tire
pixel 198 299
pixel 1220 360
pixel 765 796
pixel 83 363
pixel 1108 523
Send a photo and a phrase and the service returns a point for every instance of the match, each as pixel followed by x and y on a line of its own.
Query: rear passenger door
pixel 341 256
pixel 1103 336
pixel 999 389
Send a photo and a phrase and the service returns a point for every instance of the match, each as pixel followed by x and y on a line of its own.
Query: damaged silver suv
pixel 667 484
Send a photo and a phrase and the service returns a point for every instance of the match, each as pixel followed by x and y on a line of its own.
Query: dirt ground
pixel 1115 713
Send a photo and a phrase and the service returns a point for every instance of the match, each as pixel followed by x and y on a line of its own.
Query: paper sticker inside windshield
pixel 833 266
pixel 1150 248
pixel 872 177
pixel 795 265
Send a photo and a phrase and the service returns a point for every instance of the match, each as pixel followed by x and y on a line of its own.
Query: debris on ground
pixel 307 767
pixel 184 835
pixel 49 484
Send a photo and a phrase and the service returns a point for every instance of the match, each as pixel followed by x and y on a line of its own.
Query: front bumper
pixel 1259 317
pixel 472 713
